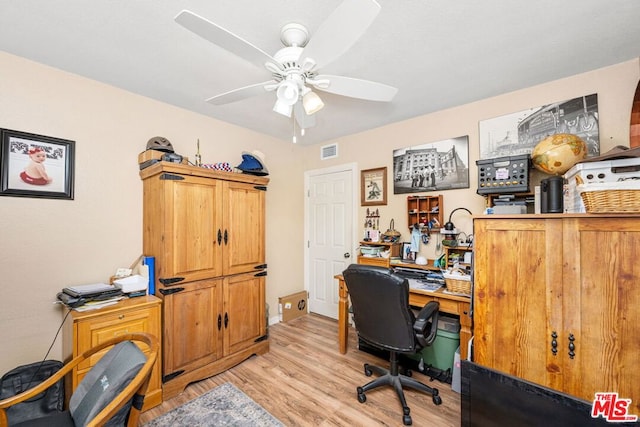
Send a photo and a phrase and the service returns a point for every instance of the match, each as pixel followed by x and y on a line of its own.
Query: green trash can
pixel 442 352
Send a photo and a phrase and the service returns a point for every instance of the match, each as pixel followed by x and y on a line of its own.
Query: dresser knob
pixel 121 317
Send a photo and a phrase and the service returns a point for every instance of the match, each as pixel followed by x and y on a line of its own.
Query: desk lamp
pixel 449 227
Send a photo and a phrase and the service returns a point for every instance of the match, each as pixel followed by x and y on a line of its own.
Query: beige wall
pixel 614 85
pixel 50 244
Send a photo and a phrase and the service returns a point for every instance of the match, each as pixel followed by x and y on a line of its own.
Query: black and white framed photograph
pixel 36 165
pixel 518 133
pixel 436 166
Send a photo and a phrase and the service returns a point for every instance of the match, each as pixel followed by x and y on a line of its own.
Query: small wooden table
pixel 452 304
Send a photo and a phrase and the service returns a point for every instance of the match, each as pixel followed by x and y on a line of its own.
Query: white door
pixel 329 232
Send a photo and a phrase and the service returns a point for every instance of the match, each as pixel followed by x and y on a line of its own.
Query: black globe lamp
pixel 449 225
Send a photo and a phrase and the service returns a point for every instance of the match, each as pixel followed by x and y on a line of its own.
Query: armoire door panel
pixel 245 226
pixel 244 306
pixel 603 313
pixel 192 335
pixel 197 217
pixel 512 303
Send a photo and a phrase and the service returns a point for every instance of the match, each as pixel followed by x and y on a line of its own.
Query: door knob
pixel 347 255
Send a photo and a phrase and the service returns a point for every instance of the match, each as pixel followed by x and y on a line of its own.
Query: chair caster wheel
pixel 361 396
pixel 437 400
pixel 406 417
pixel 368 372
pixel 409 373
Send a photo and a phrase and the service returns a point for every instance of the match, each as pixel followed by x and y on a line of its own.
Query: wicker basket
pixel 457 283
pixel 613 197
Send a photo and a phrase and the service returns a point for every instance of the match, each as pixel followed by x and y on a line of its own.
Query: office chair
pixel 384 319
pixel 111 393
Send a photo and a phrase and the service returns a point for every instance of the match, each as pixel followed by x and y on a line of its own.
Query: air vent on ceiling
pixel 329 151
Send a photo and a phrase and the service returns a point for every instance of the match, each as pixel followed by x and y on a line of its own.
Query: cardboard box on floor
pixel 292 306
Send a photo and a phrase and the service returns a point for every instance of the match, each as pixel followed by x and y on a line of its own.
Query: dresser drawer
pixel 90 328
pixel 92 333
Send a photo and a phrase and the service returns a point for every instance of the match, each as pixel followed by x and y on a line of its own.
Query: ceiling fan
pixel 294 68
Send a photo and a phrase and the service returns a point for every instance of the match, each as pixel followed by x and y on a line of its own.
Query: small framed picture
pixel 35 165
pixel 373 187
pixel 407 255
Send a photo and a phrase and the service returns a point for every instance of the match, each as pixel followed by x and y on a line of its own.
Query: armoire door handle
pixel 572 346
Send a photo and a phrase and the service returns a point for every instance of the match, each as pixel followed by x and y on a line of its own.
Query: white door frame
pixel 353 168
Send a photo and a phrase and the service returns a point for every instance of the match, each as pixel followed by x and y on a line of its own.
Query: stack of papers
pixel 94 305
pixel 424 285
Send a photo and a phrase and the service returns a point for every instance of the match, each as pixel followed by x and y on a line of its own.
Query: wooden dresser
pixel 206 230
pixel 84 330
pixel 557 301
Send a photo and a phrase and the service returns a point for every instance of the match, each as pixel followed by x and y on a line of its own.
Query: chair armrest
pixel 148 339
pixel 426 324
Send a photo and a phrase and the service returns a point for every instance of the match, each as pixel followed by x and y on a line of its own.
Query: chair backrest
pixel 106 395
pixel 381 311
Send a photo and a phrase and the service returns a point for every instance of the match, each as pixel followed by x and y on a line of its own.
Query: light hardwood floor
pixel 305 381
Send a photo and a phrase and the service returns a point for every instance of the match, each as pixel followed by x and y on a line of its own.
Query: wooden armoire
pixel 557 301
pixel 206 230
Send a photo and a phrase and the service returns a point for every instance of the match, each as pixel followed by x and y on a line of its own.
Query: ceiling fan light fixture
pixel 312 102
pixel 288 93
pixel 283 108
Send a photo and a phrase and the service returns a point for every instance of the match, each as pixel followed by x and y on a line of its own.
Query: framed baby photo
pixel 35 165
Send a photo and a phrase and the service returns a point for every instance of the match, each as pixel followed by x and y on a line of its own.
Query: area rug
pixel 225 405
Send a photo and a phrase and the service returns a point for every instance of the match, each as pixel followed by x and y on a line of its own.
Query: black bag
pixel 25 377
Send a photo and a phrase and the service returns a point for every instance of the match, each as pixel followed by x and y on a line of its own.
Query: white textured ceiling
pixel 439 53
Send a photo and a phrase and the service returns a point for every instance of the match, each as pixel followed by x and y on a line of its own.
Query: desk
pixel 452 304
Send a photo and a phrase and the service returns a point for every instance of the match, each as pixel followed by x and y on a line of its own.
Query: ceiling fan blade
pixel 223 38
pixel 304 120
pixel 346 24
pixel 356 88
pixel 240 93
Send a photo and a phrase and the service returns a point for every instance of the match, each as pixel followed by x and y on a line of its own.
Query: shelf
pixel 425 209
pixel 526 197
pixel 457 252
pixel 394 247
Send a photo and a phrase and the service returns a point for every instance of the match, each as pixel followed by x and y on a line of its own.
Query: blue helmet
pixel 252 164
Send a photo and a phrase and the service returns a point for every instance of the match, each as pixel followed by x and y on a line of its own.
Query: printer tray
pixel 90 291
pixel 94 297
pixel 77 301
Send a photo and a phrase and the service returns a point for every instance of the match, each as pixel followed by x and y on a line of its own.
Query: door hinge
pixel 262 338
pixel 171 177
pixel 262 273
pixel 170 291
pixel 171 280
pixel 260 187
pixel 260 267
pixel 172 375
